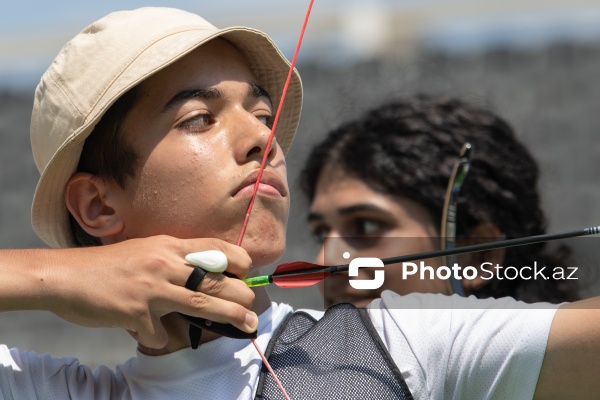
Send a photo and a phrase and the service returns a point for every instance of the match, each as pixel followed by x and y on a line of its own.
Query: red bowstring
pixel 272 135
pixel 262 168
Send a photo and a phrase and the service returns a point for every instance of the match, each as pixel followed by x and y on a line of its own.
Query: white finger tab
pixel 210 260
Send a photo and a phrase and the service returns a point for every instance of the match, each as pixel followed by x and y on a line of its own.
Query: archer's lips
pixel 270 185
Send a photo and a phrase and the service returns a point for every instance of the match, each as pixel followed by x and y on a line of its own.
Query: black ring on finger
pixel 195 278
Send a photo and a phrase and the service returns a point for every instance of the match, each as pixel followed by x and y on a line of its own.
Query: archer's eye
pixel 266 119
pixel 197 123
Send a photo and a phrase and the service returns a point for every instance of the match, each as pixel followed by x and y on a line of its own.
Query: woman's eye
pixel 366 227
pixel 266 119
pixel 320 234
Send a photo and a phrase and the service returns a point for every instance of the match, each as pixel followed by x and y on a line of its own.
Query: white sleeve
pixel 451 347
pixel 26 375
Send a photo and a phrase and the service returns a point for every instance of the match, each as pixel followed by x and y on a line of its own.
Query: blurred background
pixel 535 62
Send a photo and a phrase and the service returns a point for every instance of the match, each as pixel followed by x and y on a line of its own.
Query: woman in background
pixel 379 182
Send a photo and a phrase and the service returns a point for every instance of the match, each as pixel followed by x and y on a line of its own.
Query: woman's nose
pixel 334 250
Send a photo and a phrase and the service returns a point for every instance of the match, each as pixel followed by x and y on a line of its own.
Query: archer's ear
pixel 484 232
pixel 89 201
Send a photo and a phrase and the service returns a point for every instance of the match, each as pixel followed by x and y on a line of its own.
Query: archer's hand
pixel 131 285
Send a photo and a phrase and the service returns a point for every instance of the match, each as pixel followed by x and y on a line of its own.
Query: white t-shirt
pixel 471 349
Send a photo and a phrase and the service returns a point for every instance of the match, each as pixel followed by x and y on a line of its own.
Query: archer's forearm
pixel 571 367
pixel 28 277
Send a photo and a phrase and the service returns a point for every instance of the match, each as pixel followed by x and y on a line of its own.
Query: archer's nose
pixel 252 140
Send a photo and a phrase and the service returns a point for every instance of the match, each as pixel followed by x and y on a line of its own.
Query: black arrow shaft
pixel 458 250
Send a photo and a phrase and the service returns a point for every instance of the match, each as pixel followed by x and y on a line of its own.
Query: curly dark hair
pixel 407 148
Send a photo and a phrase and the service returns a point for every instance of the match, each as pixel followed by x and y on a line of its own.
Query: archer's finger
pixel 238 260
pixel 230 289
pixel 151 333
pixel 198 304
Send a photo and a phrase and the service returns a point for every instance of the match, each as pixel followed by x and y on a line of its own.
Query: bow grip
pixel 222 329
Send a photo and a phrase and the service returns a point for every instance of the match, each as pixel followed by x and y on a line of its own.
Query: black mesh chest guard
pixel 341 356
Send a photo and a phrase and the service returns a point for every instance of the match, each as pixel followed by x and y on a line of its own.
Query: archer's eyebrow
pixel 259 91
pixel 211 93
pixel 200 93
pixel 356 208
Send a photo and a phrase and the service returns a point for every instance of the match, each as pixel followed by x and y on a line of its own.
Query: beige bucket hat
pixel 105 60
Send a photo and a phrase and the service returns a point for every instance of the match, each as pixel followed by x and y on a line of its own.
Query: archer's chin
pixel 264 257
pixel 265 245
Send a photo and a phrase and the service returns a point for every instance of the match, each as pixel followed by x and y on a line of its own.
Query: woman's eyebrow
pixel 201 93
pixel 355 208
pixel 312 217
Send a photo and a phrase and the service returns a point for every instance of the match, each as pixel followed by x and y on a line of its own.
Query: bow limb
pixel 448 225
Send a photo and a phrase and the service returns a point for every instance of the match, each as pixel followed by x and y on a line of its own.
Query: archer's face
pixel 346 215
pixel 200 129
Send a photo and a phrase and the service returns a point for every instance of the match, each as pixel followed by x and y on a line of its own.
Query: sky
pixel 32 33
pixel 26 14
